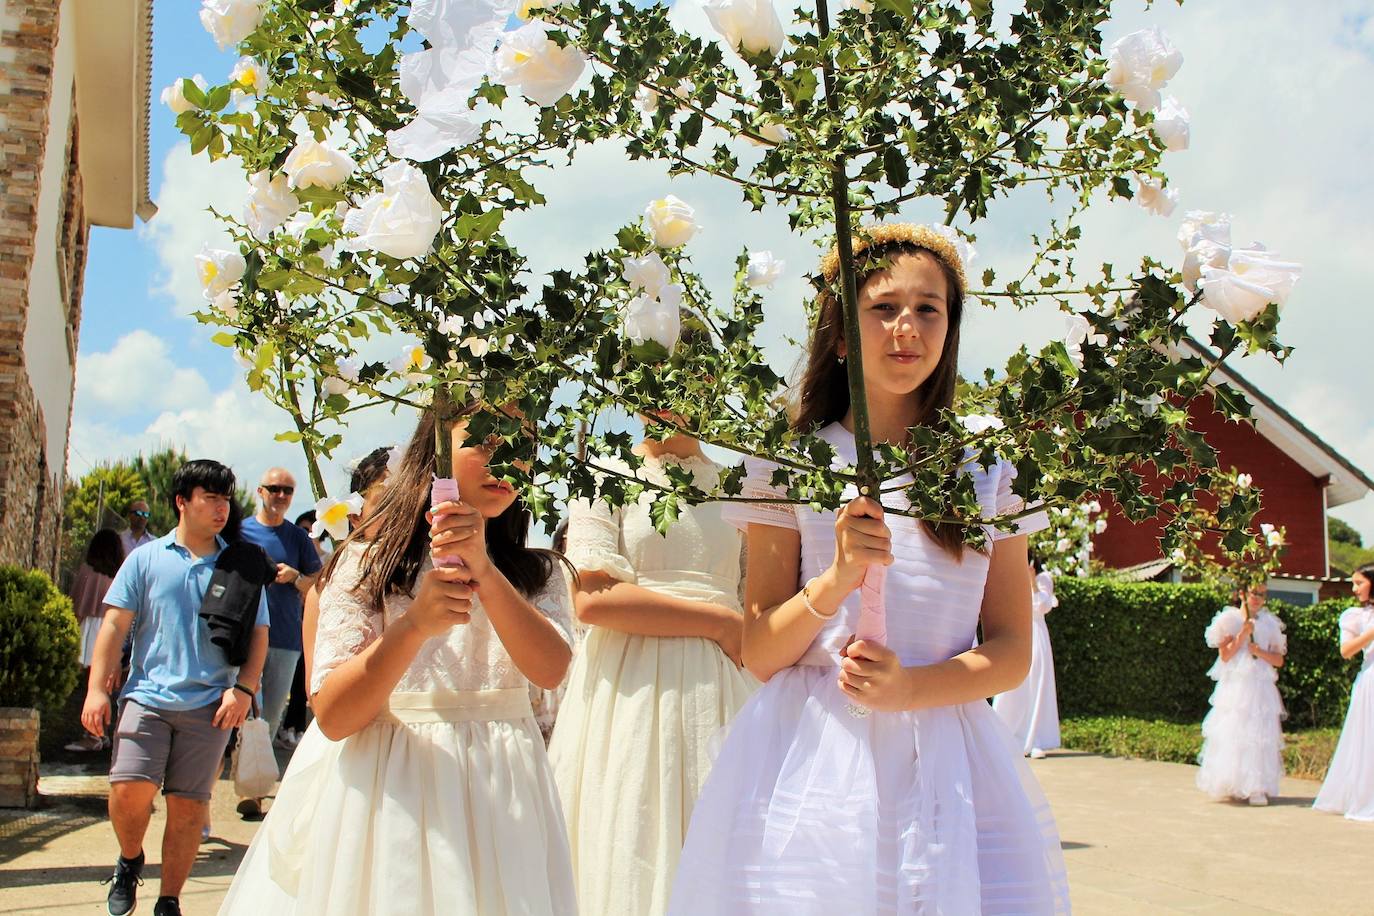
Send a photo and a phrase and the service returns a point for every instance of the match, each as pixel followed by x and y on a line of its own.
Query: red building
pixel 1300 475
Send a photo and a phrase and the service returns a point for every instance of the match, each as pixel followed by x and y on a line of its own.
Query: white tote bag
pixel 255 765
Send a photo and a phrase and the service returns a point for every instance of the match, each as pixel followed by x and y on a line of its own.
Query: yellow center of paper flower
pixel 248 78
pixel 417 358
pixel 208 271
pixel 521 57
pixel 336 513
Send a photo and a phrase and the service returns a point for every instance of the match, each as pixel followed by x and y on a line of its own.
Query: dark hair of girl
pixel 823 395
pixel 1367 571
pixel 105 552
pixel 393 557
pixel 369 470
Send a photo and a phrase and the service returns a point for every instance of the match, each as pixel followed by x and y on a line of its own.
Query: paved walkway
pixel 1138 838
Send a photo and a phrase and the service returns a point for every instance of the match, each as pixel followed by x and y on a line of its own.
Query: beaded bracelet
pixel 811 608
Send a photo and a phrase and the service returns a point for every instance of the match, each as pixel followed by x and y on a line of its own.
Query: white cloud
pixel 136 375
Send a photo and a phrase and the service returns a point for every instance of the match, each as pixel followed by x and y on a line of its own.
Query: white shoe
pixel 1258 800
pixel 1037 754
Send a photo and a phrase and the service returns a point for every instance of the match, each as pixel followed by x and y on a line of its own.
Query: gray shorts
pixel 179 750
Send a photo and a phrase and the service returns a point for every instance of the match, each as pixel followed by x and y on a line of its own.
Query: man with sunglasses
pixel 137 533
pixel 297 565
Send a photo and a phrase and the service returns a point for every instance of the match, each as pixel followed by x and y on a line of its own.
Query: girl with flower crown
pixel 656 677
pixel 1349 785
pixel 925 805
pixel 434 794
pixel 1242 735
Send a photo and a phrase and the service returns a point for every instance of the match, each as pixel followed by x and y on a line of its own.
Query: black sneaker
pixel 167 906
pixel 123 896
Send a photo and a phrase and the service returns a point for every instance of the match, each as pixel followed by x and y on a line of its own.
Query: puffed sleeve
pixel 1006 502
pixel 1226 624
pixel 594 543
pixel 554 603
pixel 758 485
pixel 346 627
pixel 1269 633
pixel 1351 623
pixel 1044 599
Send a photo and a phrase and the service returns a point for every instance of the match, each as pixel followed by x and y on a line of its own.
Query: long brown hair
pixel 393 557
pixel 823 395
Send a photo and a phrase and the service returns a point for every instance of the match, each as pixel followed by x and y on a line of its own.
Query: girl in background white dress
pixel 1242 735
pixel 654 680
pixel 1349 785
pixel 435 794
pixel 1031 711
pixel 926 805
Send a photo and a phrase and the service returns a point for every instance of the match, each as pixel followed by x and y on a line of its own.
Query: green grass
pixel 1306 753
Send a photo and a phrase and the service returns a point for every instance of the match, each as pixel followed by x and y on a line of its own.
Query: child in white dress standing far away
pixel 926 805
pixel 1349 785
pixel 1031 710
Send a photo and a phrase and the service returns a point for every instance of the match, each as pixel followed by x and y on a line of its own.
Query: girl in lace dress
pixel 1031 710
pixel 926 805
pixel 1349 785
pixel 656 677
pixel 1242 736
pixel 434 794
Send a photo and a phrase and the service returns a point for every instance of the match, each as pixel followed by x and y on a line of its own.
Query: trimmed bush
pixel 1136 649
pixel 39 641
pixel 1306 754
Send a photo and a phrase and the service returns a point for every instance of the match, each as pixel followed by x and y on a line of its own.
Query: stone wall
pixel 30 481
pixel 18 757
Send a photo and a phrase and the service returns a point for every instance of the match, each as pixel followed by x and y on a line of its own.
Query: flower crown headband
pixel 940 241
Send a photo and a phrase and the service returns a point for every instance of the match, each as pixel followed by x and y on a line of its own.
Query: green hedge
pixel 1136 649
pixel 1306 754
pixel 40 641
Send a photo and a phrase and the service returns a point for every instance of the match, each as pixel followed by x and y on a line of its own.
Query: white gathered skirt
pixel 1349 785
pixel 1242 735
pixel 810 810
pixel 415 814
pixel 1031 710
pixel 90 629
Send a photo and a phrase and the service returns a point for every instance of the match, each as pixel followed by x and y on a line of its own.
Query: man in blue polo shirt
pixel 181 699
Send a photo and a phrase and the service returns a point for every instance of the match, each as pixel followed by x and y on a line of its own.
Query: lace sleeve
pixel 1006 502
pixel 347 624
pixel 758 484
pixel 594 540
pixel 553 602
pixel 1269 634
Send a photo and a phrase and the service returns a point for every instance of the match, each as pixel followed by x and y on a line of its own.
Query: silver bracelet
pixel 811 608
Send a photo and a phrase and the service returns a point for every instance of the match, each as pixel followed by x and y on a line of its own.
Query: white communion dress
pixel 443 804
pixel 812 810
pixel 630 749
pixel 1242 735
pixel 1349 785
pixel 1031 710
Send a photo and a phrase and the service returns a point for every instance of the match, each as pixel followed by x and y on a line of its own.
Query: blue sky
pixel 1280 130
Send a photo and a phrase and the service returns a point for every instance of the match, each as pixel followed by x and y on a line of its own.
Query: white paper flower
pixel 648 274
pixel 533 63
pixel 331 515
pixel 1063 545
pixel 227 304
pixel 270 204
pixel 1078 331
pixel 980 422
pixel 1140 64
pixel 230 21
pixel 401 220
pixel 1252 279
pixel 1178 555
pixel 763 269
pixel 1244 482
pixel 316 165
pixel 1099 526
pixel 671 222
pixel 248 76
pixel 1272 536
pixel 218 270
pixel 1206 240
pixel 655 318
pixel 1150 406
pixel 749 26
pixel 1154 198
pixel 412 363
pixel 440 82
pixel 174 96
pixel 962 247
pixel 528 8
pixel 1171 125
pixel 646 100
pixel 333 385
